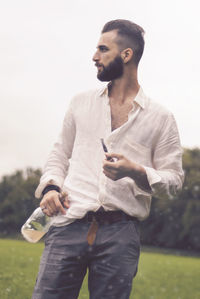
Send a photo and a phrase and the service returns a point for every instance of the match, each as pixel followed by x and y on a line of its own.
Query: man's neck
pixel 125 88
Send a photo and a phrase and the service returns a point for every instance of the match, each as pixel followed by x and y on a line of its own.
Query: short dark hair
pixel 131 33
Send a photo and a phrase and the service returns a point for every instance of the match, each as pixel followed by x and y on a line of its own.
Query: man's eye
pixel 103 49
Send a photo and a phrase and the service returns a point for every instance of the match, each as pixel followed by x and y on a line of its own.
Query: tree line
pixel 172 223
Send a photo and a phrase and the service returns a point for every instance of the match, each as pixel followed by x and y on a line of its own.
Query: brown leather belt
pixel 103 217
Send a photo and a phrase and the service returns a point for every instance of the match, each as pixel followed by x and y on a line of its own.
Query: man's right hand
pixel 54 202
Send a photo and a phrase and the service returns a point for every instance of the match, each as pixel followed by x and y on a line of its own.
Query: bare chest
pixel 119 114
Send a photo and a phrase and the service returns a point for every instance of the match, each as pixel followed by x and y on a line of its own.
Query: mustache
pixel 98 64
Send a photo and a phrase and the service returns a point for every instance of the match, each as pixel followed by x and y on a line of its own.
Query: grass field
pixel 160 276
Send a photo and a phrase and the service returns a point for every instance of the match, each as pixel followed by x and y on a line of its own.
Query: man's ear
pixel 127 55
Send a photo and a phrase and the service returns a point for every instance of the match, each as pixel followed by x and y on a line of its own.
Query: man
pixel 96 226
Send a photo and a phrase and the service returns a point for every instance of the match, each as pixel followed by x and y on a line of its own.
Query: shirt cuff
pixel 139 192
pixel 152 176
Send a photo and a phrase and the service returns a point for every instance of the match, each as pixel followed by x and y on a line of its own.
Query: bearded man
pixel 96 228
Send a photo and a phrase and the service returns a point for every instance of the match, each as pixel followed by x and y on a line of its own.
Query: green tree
pixel 17 199
pixel 175 222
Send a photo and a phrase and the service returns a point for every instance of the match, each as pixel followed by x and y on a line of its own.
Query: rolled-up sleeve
pixel 56 167
pixel 166 177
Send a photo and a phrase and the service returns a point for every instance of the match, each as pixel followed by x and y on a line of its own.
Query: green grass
pixel 160 276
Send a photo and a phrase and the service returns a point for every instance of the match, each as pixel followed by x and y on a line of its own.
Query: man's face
pixel 107 57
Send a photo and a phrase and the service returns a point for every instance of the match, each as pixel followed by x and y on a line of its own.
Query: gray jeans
pixel 111 261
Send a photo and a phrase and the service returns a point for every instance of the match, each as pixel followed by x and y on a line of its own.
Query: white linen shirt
pixel 149 138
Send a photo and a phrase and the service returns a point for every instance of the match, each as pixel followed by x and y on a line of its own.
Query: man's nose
pixel 95 56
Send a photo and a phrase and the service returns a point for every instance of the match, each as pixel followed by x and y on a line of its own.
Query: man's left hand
pixel 116 167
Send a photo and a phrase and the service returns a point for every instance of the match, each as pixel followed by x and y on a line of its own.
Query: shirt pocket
pixel 137 152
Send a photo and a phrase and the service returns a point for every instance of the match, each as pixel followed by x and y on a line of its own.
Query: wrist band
pixel 49 188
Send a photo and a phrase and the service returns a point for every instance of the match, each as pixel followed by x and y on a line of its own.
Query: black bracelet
pixel 49 188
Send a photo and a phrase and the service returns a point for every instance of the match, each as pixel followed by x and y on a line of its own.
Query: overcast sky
pixel 46 48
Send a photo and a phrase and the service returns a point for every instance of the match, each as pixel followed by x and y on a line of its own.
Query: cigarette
pixel 106 151
pixel 104 146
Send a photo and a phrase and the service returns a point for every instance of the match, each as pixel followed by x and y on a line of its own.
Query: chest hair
pixel 119 113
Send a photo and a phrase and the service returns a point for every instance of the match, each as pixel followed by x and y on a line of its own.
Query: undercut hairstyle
pixel 130 35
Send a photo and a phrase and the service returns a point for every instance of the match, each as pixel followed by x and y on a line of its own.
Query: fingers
pixel 59 206
pixel 52 205
pixel 111 175
pixel 111 170
pixel 63 197
pixel 118 168
pixel 112 161
pixel 66 203
pixel 113 156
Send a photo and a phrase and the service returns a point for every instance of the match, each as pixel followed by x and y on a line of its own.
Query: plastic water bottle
pixel 36 226
pixel 38 223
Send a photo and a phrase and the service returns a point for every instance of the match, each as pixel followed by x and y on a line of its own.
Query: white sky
pixel 46 48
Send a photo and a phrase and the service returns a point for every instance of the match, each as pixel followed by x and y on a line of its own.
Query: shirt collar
pixel 139 99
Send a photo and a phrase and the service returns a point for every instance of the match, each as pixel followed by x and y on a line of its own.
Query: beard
pixel 112 71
